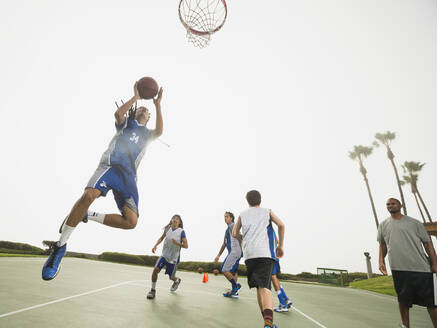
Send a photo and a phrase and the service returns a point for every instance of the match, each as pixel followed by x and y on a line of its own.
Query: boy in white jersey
pixel 174 238
pixel 230 264
pixel 259 250
pixel 116 172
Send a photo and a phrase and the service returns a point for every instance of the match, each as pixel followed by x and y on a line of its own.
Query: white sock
pixel 66 232
pixel 279 292
pixel 98 217
pixel 153 285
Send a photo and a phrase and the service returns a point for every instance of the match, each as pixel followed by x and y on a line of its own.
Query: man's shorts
pixel 170 269
pixel 122 183
pixel 276 267
pixel 230 264
pixel 259 272
pixel 414 288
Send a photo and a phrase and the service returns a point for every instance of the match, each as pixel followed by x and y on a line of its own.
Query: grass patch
pixel 382 285
pixel 19 255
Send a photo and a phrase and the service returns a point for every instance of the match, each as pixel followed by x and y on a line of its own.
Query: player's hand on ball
pixel 136 93
pixel 157 100
pixel 279 252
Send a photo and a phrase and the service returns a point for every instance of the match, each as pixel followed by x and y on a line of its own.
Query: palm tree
pixel 412 168
pixel 359 153
pixel 412 180
pixel 386 139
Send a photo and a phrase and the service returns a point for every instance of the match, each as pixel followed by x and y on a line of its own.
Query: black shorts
pixel 259 272
pixel 414 288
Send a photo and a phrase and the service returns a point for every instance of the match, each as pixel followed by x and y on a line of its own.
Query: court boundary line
pixel 64 299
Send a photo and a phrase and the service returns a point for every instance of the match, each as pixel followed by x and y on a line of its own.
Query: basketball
pixel 147 88
pixel 200 270
pixel 216 271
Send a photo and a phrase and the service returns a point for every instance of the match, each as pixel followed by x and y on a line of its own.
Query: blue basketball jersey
pixel 128 146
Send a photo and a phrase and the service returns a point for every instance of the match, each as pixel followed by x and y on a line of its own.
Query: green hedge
pixel 20 247
pixel 121 258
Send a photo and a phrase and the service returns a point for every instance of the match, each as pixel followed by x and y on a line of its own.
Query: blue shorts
pixel 170 269
pixel 276 267
pixel 122 184
pixel 230 264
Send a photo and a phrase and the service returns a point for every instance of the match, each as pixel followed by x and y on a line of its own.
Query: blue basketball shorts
pixel 276 267
pixel 230 264
pixel 122 184
pixel 170 268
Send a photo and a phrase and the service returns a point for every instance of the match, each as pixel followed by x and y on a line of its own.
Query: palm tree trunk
pixel 399 185
pixel 418 205
pixel 423 204
pixel 371 201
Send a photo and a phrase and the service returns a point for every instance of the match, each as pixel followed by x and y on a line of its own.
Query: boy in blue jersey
pixel 117 172
pixel 259 250
pixel 230 264
pixel 174 239
pixel 284 301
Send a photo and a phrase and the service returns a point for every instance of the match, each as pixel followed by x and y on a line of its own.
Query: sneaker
pixel 231 294
pixel 52 265
pixel 175 285
pixel 289 304
pixel 274 326
pixel 151 294
pixel 84 220
pixel 402 326
pixel 281 308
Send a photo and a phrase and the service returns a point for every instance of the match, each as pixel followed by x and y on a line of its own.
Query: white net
pixel 202 18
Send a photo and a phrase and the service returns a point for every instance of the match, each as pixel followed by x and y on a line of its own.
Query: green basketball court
pixel 101 294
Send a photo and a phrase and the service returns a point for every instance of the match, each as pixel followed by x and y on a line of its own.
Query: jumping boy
pixel 117 172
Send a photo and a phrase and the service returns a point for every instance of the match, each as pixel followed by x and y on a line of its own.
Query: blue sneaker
pixel 51 267
pixel 274 326
pixel 289 303
pixel 231 294
pixel 84 220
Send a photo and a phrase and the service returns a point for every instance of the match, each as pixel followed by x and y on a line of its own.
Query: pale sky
pixel 274 103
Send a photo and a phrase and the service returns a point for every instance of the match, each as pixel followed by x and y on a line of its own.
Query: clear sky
pixel 275 103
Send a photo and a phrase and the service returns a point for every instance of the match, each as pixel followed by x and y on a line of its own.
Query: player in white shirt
pixel 259 250
pixel 174 239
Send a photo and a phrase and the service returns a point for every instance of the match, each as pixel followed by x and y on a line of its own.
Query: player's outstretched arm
pixel 281 233
pixel 120 114
pixel 159 122
pixel 159 241
pixel 430 250
pixel 220 252
pixel 382 254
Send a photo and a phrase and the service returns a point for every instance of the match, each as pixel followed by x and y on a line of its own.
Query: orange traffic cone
pixel 207 278
pixel 204 278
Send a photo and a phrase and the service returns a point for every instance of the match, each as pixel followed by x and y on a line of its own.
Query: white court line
pixel 308 317
pixel 64 299
pixel 246 298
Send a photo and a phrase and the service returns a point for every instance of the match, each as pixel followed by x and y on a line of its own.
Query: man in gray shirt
pixel 402 237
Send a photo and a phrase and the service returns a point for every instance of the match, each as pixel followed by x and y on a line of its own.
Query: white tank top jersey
pixel 258 234
pixel 170 251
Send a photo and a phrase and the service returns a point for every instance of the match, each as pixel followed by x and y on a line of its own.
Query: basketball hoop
pixel 202 18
